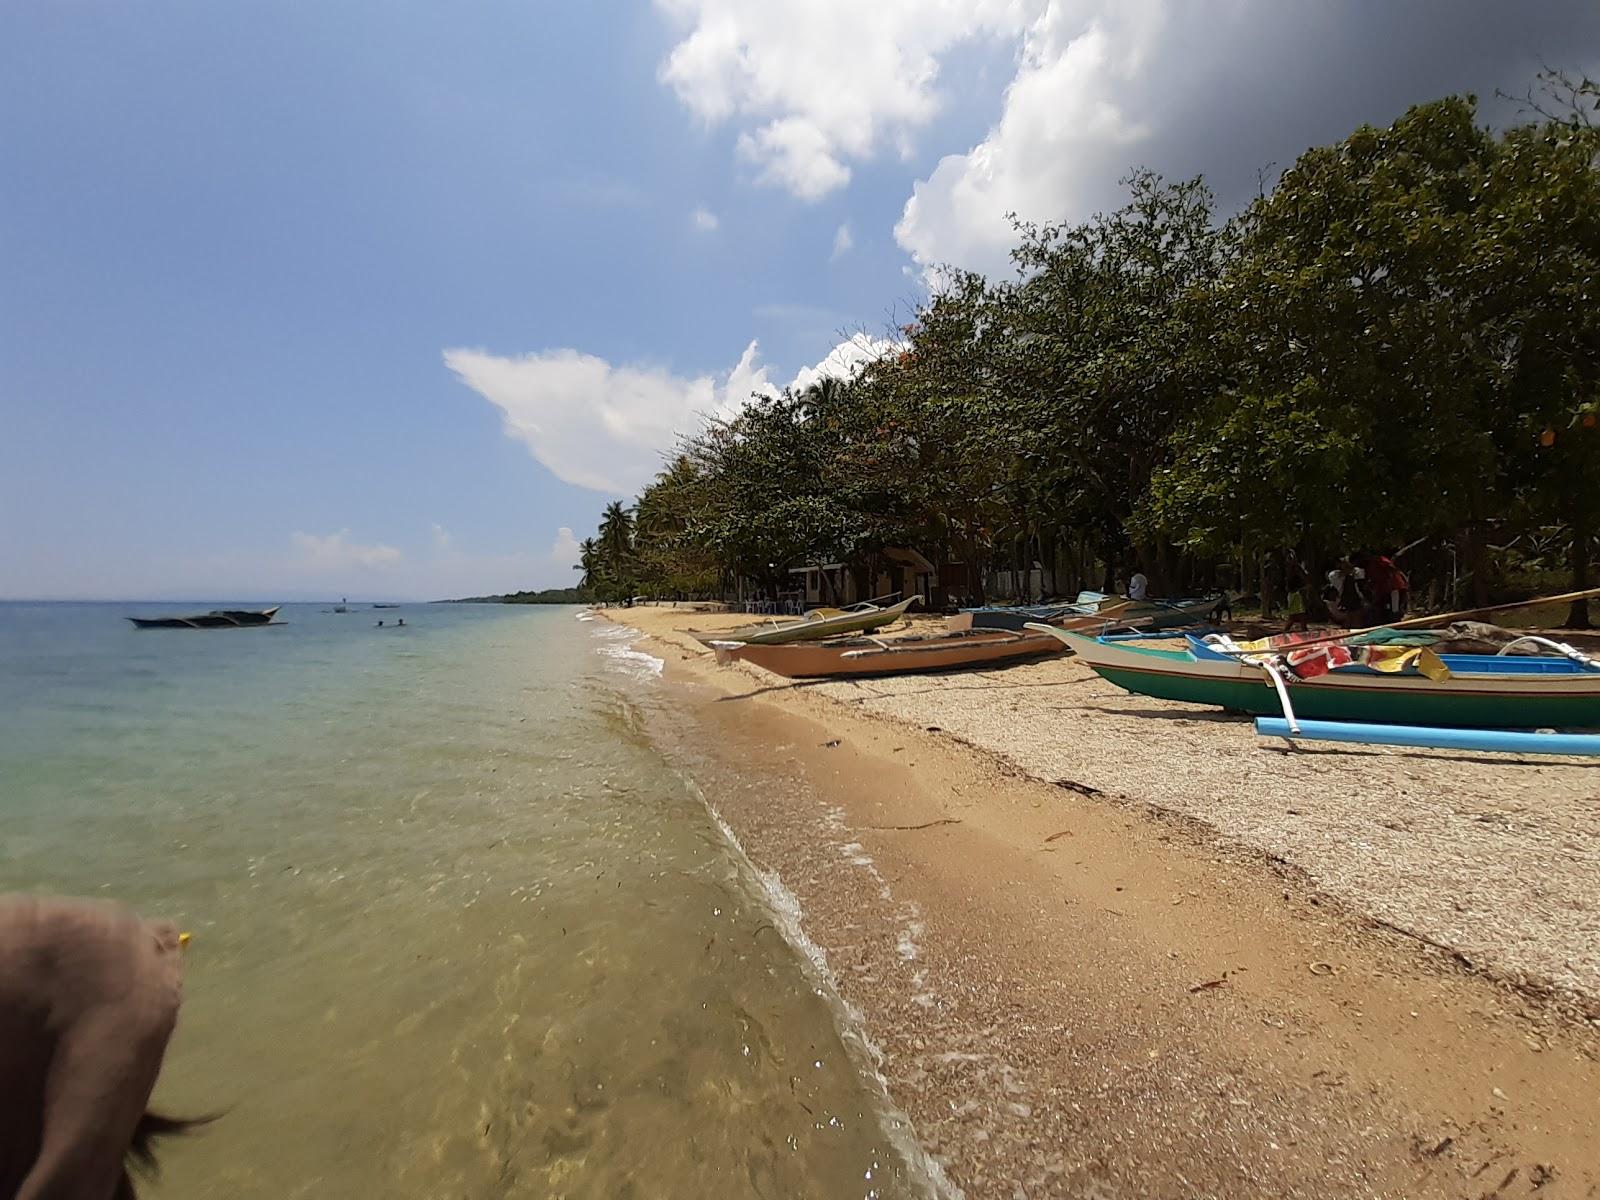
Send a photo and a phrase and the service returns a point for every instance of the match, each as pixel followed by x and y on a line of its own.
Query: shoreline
pixel 1073 991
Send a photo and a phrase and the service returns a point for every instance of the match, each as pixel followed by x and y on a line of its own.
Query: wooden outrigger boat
pixel 1153 613
pixel 1095 607
pixel 217 618
pixel 899 656
pixel 817 624
pixel 1471 690
pixel 1062 616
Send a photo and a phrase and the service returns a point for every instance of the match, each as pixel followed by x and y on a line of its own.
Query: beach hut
pixel 900 571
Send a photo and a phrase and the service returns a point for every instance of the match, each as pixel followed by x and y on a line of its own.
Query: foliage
pixel 1398 343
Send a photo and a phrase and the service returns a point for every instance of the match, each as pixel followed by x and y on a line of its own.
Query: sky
pixel 389 300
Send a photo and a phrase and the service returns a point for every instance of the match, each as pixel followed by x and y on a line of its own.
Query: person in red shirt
pixel 1388 590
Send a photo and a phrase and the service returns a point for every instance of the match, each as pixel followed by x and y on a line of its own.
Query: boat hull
pixel 1065 616
pixel 1510 700
pixel 908 656
pixel 807 630
pixel 225 618
pixel 1086 614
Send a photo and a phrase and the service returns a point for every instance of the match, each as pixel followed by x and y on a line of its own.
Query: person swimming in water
pixel 89 997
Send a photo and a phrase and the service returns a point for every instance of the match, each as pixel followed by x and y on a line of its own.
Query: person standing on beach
pixel 1296 584
pixel 89 997
pixel 1388 590
pixel 1138 586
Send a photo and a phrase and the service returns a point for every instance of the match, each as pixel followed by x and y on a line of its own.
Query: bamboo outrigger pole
pixel 1460 615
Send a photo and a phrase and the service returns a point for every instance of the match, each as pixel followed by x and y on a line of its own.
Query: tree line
pixel 1396 347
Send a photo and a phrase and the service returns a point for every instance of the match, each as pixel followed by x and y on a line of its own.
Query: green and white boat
pixel 1494 691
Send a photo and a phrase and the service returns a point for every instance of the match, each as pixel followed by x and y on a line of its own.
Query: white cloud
pixel 842 242
pixel 1063 133
pixel 608 427
pixel 704 220
pixel 1100 87
pixel 336 552
pixel 601 426
pixel 845 360
pixel 1223 89
pixel 564 551
pixel 821 83
pixel 441 537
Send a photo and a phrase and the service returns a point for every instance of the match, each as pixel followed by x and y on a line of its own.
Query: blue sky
pixel 378 300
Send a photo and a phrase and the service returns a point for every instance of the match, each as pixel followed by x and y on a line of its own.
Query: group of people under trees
pixel 1366 588
pixel 1362 589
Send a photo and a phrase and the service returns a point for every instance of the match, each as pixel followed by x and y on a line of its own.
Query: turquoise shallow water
pixel 459 928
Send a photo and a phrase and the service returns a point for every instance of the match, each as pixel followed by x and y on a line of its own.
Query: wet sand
pixel 1076 991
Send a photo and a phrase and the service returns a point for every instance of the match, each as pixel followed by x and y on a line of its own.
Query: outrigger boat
pixel 1062 616
pixel 898 656
pixel 1145 614
pixel 817 624
pixel 1152 613
pixel 217 618
pixel 1379 685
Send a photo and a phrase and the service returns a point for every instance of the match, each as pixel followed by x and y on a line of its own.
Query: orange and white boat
pixel 897 656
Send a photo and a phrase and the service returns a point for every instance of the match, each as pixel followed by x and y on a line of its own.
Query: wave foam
pixel 617 647
pixel 788 919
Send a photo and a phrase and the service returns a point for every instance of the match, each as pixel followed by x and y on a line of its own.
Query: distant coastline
pixel 547 596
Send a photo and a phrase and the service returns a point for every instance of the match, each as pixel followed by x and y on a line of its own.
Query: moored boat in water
pixel 217 618
pixel 896 656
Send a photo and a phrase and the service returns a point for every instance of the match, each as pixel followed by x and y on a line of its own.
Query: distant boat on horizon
pixel 217 618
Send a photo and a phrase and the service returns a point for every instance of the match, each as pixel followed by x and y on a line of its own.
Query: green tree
pixel 1535 268
pixel 616 539
pixel 1105 340
pixel 588 562
pixel 1352 405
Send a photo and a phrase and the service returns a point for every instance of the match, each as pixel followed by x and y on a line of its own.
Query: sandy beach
pixel 1116 947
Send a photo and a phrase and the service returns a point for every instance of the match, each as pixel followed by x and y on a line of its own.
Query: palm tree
pixel 588 562
pixel 616 539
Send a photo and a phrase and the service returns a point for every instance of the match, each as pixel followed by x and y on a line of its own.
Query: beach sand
pixel 1114 947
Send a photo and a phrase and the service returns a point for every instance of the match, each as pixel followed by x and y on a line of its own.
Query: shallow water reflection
pixel 459 930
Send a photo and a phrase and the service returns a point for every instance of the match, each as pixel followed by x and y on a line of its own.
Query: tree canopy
pixel 1396 345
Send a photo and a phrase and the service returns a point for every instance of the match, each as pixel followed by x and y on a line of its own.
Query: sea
pixel 460 927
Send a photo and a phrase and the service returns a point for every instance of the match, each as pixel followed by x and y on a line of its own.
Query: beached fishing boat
pixel 817 624
pixel 217 618
pixel 1472 690
pixel 1144 614
pixel 1062 616
pixel 1152 613
pixel 897 656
